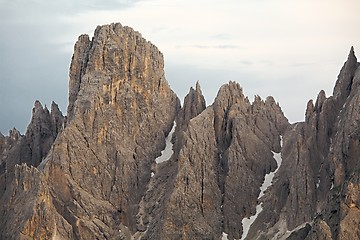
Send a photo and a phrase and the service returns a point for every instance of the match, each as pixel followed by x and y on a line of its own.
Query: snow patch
pixel 269 177
pixel 318 183
pixel 43 163
pixel 288 233
pixel 247 222
pixel 152 174
pixel 168 151
pixel 224 236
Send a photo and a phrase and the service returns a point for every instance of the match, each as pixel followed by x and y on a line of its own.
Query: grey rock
pixel 318 159
pixel 41 132
pixel 31 148
pixel 77 70
pixel 345 79
pixel 194 104
pixel 198 192
pixel 193 209
pixel 300 234
pixel 120 110
pixel 93 175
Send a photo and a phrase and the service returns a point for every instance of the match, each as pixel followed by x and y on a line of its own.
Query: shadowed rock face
pixel 33 147
pixel 201 188
pixel 35 144
pixel 246 135
pixel 194 104
pixel 340 211
pixel 93 174
pixel 319 160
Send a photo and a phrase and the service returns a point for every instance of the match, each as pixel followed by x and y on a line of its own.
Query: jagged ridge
pixel 94 175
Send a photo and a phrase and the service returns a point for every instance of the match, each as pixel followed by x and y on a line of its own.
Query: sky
pixel 284 48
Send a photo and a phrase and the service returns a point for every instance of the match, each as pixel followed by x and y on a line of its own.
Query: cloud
pixel 62 7
pixel 245 62
pixel 216 46
pixel 301 64
pixel 221 36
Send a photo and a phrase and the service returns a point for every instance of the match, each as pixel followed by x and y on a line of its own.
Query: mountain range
pixel 129 161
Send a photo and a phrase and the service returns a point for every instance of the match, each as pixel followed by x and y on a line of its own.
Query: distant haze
pixel 288 49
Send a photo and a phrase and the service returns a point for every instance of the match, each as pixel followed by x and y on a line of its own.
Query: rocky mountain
pixel 33 147
pixel 129 162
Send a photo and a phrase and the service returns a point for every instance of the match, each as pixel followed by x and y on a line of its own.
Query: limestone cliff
pixel 340 212
pixel 319 162
pixel 33 147
pixel 232 170
pixel 199 192
pixel 194 104
pixel 120 110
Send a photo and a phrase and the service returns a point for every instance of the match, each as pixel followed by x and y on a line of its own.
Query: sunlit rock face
pixel 128 162
pixel 120 110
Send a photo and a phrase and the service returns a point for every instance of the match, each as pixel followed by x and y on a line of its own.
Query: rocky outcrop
pixel 123 110
pixel 193 209
pixel 345 80
pixel 95 174
pixel 24 196
pixel 246 135
pixel 77 70
pixel 159 190
pixel 120 110
pixel 27 203
pixel 339 213
pixel 33 147
pixel 318 160
pixel 201 194
pixel 40 135
pixel 7 143
pixel 194 104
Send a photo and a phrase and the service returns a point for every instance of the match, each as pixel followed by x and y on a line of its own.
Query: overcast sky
pixel 284 48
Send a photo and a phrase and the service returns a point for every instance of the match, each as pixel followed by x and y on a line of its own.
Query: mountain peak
pixel 198 88
pixel 37 106
pixel 97 175
pixel 14 134
pixel 344 82
pixel 194 104
pixel 352 53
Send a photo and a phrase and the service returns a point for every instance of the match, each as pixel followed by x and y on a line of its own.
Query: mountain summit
pixel 232 170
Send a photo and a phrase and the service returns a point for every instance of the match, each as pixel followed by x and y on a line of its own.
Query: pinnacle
pixel 352 54
pixel 198 88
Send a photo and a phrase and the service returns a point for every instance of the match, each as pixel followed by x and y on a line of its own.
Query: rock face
pixel 340 213
pixel 33 147
pixel 246 134
pixel 202 193
pixel 120 110
pixel 194 104
pixel 319 162
pixel 35 144
pixel 93 174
